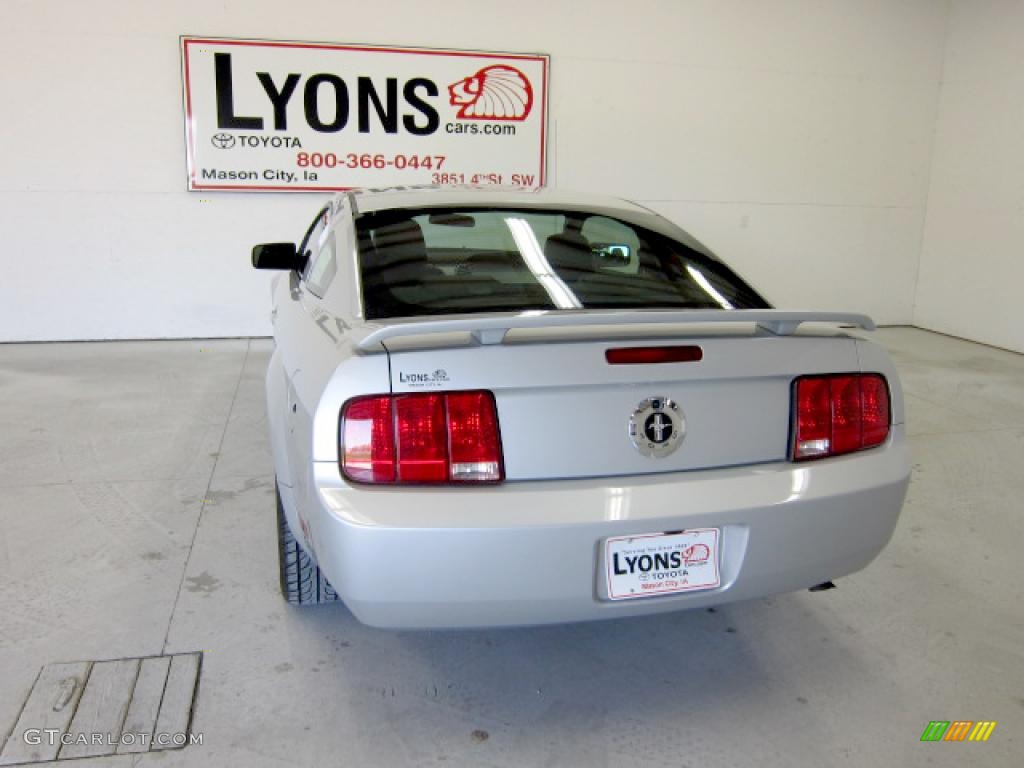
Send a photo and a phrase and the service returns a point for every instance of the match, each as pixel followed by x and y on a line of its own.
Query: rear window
pixel 456 261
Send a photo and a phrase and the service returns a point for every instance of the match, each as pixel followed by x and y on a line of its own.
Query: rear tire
pixel 302 583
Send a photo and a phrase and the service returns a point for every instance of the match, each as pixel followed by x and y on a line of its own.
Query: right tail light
pixel 431 438
pixel 839 414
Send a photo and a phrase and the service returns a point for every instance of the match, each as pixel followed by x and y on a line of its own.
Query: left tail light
pixel 436 437
pixel 839 414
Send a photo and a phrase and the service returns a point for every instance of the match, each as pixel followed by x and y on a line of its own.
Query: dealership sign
pixel 267 115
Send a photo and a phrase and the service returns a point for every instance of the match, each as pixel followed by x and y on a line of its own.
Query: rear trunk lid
pixel 565 412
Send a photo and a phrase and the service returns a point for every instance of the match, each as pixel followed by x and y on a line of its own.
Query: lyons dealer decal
pixel 266 115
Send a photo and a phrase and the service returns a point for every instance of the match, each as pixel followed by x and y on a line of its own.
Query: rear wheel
pixel 302 583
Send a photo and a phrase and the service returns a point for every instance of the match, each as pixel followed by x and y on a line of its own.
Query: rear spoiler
pixel 491 329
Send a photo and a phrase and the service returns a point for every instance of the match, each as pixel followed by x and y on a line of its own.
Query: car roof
pixel 397 198
pixel 540 197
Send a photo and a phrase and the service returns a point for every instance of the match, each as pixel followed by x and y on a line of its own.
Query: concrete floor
pixel 136 518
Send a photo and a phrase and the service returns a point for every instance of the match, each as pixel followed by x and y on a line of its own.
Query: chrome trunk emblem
pixel 657 427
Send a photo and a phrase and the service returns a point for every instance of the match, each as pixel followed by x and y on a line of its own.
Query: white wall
pixel 793 136
pixel 972 261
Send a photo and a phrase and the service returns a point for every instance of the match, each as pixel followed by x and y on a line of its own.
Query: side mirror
pixel 277 256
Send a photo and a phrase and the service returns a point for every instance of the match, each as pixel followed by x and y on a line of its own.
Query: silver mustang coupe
pixel 502 407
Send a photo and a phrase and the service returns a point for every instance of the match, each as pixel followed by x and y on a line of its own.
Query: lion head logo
pixel 696 553
pixel 498 92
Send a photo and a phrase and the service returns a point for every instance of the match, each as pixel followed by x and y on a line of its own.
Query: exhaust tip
pixel 825 585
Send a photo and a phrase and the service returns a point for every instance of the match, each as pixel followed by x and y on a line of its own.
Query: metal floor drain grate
pixel 93 708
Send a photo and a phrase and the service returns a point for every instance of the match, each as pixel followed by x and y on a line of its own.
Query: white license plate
pixel 662 563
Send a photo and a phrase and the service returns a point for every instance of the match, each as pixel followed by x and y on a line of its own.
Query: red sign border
pixel 190 156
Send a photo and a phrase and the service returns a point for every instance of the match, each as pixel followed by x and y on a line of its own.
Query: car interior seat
pixel 395 257
pixel 569 252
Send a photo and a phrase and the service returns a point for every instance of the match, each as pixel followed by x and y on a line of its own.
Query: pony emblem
pixel 498 92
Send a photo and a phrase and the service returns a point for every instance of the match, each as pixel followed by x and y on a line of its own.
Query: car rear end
pixel 573 464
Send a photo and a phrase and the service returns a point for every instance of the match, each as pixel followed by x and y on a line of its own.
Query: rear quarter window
pixel 323 268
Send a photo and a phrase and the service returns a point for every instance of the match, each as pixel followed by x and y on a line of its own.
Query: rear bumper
pixel 532 552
